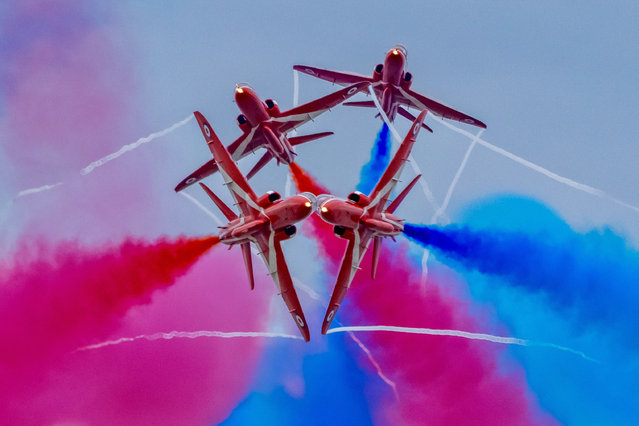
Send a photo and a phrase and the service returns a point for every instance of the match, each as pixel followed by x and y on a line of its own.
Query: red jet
pixel 392 87
pixel 363 218
pixel 264 125
pixel 265 221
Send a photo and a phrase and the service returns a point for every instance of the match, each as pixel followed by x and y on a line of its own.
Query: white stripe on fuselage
pixel 247 140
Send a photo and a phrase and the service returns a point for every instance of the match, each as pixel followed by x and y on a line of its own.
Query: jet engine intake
pixel 243 123
pixel 268 199
pixel 407 80
pixel 272 107
pixel 377 72
pixel 358 198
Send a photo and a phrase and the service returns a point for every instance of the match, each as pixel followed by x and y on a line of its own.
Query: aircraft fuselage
pixel 278 215
pixel 349 215
pixel 258 118
pixel 390 79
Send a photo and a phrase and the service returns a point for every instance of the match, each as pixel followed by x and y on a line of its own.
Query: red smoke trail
pixel 440 381
pixel 305 182
pixel 53 298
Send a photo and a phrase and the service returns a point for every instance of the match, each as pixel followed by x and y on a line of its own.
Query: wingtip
pixel 325 327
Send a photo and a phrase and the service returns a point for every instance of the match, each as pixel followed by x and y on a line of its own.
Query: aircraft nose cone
pixel 327 210
pixel 310 203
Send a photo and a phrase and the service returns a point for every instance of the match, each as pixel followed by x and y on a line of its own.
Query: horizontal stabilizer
pixel 230 214
pixel 377 248
pixel 397 201
pixel 263 161
pixel 248 263
pixel 364 104
pixel 298 140
pixel 401 111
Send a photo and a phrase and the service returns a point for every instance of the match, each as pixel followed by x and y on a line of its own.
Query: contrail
pixel 554 176
pixel 287 185
pixel 36 190
pixel 380 373
pixel 425 257
pixel 188 335
pixel 425 188
pixel 296 99
pixel 88 169
pixel 459 333
pixel 201 207
pixel 313 294
pixel 296 88
pixel 453 184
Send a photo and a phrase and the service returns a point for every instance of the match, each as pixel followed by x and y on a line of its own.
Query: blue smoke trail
pixel 334 390
pixel 516 246
pixel 380 157
pixel 593 274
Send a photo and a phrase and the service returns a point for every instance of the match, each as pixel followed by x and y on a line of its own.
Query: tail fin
pixel 397 201
pixel 401 111
pixel 230 215
pixel 206 128
pixel 248 263
pixel 298 140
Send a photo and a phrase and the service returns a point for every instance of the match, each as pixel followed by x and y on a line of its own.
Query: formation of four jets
pixel 267 220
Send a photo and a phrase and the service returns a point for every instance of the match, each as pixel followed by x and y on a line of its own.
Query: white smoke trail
pixel 36 190
pixel 442 210
pixel 425 188
pixel 201 207
pixel 459 333
pixel 307 289
pixel 296 88
pixel 554 176
pixel 425 257
pixel 188 335
pixel 88 169
pixel 288 185
pixel 315 296
pixel 296 99
pixel 380 373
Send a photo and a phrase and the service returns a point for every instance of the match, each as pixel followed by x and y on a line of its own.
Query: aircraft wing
pixel 337 77
pixel 299 115
pixel 358 241
pixel 421 102
pixel 270 249
pixel 386 184
pixel 234 180
pixel 240 148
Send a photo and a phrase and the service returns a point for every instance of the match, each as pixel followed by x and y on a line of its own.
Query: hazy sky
pixel 555 82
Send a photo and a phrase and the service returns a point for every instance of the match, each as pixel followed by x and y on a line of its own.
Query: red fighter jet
pixel 363 218
pixel 265 221
pixel 392 88
pixel 263 125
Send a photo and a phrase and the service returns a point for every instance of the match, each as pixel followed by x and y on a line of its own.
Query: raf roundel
pixel 310 71
pixel 190 180
pixel 330 316
pixel 207 131
pixel 299 320
pixel 416 128
pixel 350 92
